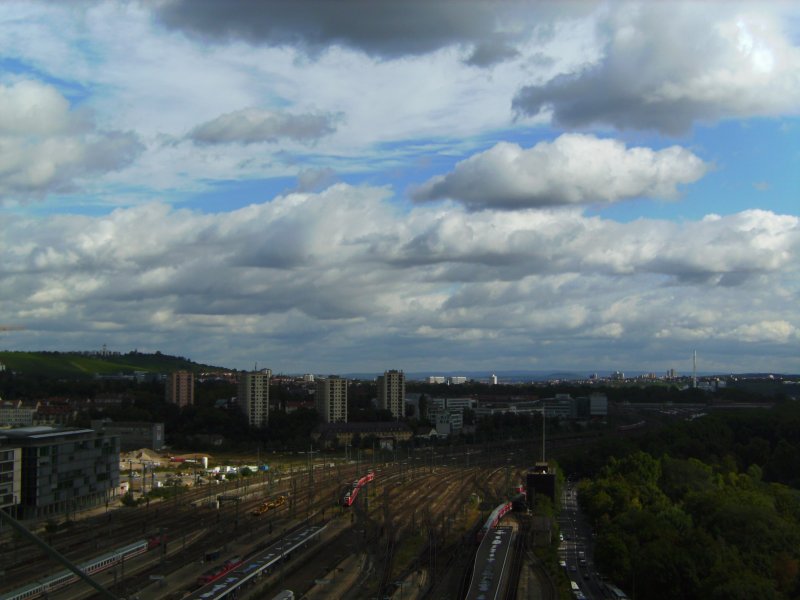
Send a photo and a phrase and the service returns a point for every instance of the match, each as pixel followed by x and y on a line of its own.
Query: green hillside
pixel 73 364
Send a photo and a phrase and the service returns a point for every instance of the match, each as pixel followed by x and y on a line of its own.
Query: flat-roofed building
pixel 133 435
pixel 461 403
pixel 253 396
pixel 63 469
pixel 16 414
pixel 392 392
pixel 386 433
pixel 330 399
pixel 598 405
pixel 447 421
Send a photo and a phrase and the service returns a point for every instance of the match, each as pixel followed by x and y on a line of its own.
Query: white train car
pixel 66 577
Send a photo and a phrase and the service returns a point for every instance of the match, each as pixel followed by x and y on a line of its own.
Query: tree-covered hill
pixel 80 365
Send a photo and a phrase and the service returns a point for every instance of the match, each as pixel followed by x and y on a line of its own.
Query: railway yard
pixel 410 532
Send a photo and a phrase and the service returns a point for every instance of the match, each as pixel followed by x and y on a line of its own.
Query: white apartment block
pixel 253 396
pixel 392 392
pixel 448 422
pixel 17 414
pixel 331 399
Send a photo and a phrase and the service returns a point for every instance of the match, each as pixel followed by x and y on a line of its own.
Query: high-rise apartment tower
pixel 180 388
pixel 331 399
pixel 253 396
pixel 392 392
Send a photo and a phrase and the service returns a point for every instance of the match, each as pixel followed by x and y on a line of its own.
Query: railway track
pixel 433 485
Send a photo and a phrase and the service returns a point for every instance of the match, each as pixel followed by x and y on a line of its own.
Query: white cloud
pixel 573 169
pixel 386 112
pixel 346 265
pixel 45 147
pixel 667 65
pixel 32 108
pixel 323 277
pixel 766 331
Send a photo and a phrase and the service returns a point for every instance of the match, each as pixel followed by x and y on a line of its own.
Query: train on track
pixel 219 571
pixel 494 518
pixel 351 494
pixel 64 578
pixel 268 506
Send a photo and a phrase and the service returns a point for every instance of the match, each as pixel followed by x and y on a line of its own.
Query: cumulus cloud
pixel 47 147
pixel 345 263
pixel 667 65
pixel 250 126
pixel 573 169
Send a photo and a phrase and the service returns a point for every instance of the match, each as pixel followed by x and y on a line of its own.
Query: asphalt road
pixel 576 549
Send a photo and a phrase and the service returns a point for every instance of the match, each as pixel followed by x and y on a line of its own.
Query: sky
pixel 365 185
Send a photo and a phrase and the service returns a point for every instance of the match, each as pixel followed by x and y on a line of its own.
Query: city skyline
pixel 438 186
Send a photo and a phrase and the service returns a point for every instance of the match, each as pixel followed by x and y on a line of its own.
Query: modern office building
pixel 331 399
pixel 461 403
pixel 180 388
pixel 253 396
pixel 133 435
pixel 447 421
pixel 10 475
pixel 598 405
pixel 392 392
pixel 63 469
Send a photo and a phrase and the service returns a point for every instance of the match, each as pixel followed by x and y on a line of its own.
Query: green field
pixel 71 364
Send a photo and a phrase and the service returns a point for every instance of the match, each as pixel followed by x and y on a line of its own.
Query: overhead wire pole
pixel 30 536
pixel 544 458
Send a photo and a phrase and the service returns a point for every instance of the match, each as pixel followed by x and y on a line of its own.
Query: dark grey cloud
pixel 381 28
pixel 667 65
pixel 487 54
pixel 251 126
pixel 384 28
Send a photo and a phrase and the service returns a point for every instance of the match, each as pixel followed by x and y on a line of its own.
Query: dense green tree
pixel 678 528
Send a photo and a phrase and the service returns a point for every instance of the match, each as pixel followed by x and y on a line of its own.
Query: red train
pixel 219 571
pixel 494 519
pixel 156 541
pixel 351 494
